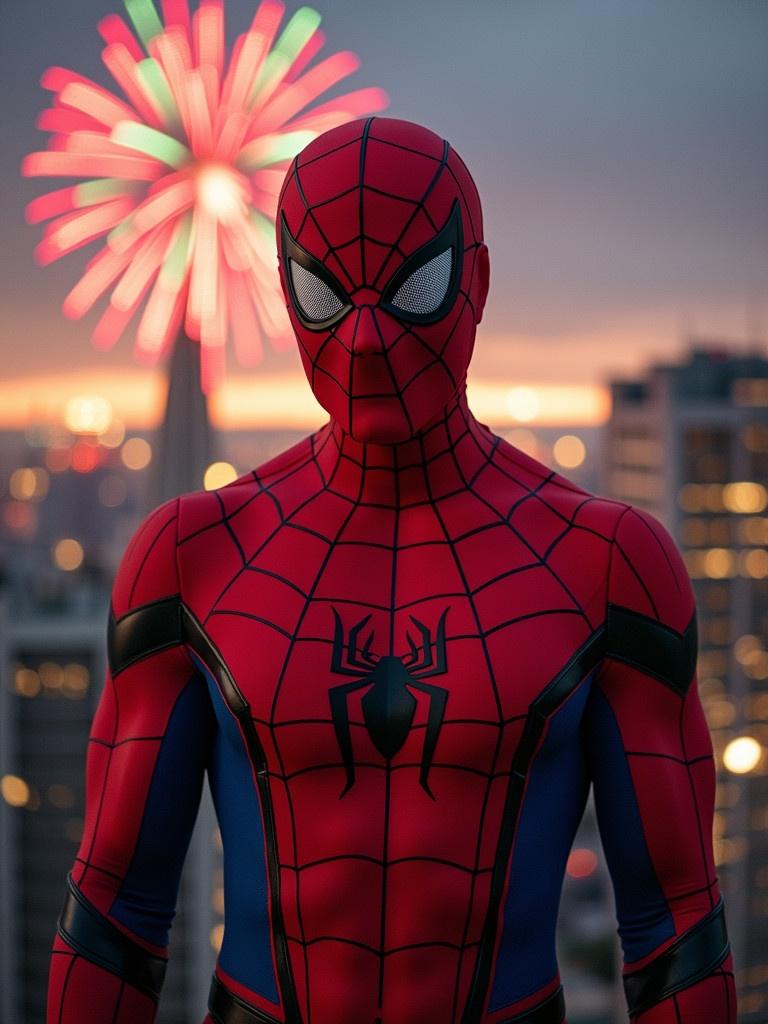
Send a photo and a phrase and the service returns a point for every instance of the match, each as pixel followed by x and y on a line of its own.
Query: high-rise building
pixel 52 666
pixel 689 443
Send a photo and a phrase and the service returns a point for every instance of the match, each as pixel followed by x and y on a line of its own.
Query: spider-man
pixel 402 651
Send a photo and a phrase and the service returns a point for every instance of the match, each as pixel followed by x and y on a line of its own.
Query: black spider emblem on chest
pixel 388 706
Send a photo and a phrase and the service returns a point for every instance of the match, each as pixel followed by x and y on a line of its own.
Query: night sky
pixel 619 146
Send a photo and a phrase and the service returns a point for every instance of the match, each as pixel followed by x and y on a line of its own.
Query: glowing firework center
pixel 184 170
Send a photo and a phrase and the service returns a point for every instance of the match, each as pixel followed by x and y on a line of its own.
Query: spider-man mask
pixel 384 271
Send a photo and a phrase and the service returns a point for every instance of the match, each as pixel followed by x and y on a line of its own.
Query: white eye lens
pixel 426 288
pixel 317 300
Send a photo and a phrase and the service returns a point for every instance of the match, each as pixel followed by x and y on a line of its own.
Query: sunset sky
pixel 619 148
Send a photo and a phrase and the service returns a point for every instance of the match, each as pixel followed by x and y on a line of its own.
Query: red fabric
pixel 402 517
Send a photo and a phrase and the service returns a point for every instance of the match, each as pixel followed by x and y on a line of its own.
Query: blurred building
pixel 69 504
pixel 689 443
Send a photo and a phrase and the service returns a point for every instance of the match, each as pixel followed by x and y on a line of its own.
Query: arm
pixel 650 756
pixel 146 760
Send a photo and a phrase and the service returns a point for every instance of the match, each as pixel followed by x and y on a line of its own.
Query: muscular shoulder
pixel 566 525
pixel 148 567
pixel 200 511
pixel 647 572
pixel 626 547
pixel 651 611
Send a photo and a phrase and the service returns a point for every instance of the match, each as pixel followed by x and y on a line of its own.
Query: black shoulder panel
pixel 691 957
pixel 91 935
pixel 142 631
pixel 652 647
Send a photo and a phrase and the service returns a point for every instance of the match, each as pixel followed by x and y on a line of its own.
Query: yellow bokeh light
pixel 523 403
pixel 51 675
pixel 26 682
pixel 755 563
pixel 136 453
pixel 742 755
pixel 569 451
pixel 15 791
pixel 745 645
pixel 29 484
pixel 745 496
pixel 219 474
pixel 75 681
pixel 719 563
pixel 87 414
pixel 68 554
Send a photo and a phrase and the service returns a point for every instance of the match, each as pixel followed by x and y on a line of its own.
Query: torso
pixel 388 808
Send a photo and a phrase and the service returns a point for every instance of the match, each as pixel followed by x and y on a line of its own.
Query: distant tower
pixel 689 443
pixel 184 444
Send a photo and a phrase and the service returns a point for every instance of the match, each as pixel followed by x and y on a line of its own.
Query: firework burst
pixel 184 170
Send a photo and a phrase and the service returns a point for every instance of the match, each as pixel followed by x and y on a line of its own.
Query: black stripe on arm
pixel 652 647
pixel 691 957
pixel 227 1008
pixel 549 1011
pixel 96 939
pixel 143 631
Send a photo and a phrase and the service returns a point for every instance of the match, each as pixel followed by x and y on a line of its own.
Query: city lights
pixel 29 484
pixel 742 755
pixel 14 790
pixel 219 474
pixel 136 453
pixel 745 496
pixel 68 554
pixel 26 682
pixel 569 451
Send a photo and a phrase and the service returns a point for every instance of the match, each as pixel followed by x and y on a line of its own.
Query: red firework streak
pixel 402 651
pixel 183 171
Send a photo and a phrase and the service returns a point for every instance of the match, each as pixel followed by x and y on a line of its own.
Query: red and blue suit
pixel 401 652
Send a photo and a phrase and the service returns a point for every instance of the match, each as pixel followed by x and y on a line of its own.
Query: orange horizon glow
pixel 276 401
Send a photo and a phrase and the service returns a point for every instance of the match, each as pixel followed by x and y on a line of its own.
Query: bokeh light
pixel 219 474
pixel 68 554
pixel 14 790
pixel 136 453
pixel 569 451
pixel 742 755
